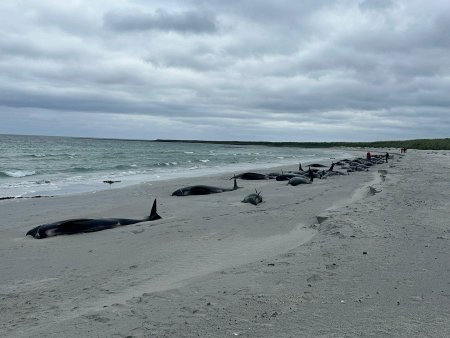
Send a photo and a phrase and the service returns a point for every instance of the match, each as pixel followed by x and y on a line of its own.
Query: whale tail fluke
pixel 153 214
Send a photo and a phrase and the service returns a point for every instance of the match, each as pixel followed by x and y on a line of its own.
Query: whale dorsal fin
pixel 235 184
pixel 153 214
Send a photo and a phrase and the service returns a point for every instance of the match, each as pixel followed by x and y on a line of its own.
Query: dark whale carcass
pixel 287 176
pixel 253 176
pixel 253 198
pixel 299 180
pixel 80 225
pixel 316 165
pixel 202 190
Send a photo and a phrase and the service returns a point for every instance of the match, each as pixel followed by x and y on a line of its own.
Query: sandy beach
pixel 374 263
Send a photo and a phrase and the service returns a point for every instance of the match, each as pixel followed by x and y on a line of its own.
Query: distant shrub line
pixel 423 144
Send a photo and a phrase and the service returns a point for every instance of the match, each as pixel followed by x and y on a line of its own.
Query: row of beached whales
pixel 294 178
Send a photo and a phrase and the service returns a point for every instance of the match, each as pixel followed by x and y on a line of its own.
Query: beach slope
pixel 358 255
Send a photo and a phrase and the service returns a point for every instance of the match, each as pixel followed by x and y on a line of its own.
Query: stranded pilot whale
pixel 253 198
pixel 253 176
pixel 202 190
pixel 75 226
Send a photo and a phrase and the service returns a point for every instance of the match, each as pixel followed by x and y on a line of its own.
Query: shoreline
pixel 154 189
pixel 213 266
pixel 188 174
pixel 29 186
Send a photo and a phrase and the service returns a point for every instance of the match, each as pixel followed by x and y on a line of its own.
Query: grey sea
pixel 43 165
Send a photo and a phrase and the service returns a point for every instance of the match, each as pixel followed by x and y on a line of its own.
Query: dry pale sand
pixel 376 265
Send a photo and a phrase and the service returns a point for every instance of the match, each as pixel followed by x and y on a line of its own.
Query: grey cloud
pixel 267 11
pixel 376 5
pixel 99 102
pixel 200 61
pixel 184 22
pixel 25 47
pixel 346 69
pixel 73 18
pixel 68 101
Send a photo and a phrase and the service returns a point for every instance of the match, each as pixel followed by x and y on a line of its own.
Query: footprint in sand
pixel 314 278
pixel 98 318
pixel 373 191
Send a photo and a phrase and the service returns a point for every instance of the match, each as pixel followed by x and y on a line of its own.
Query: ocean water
pixel 41 165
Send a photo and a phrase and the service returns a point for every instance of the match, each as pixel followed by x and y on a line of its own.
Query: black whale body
pixel 316 165
pixel 253 176
pixel 287 177
pixel 202 190
pixel 254 198
pixel 81 225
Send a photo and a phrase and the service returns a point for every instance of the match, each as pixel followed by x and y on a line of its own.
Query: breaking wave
pixel 17 173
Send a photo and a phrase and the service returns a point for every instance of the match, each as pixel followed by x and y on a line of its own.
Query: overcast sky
pixel 284 70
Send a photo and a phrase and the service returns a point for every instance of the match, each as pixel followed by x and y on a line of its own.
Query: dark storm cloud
pixel 185 22
pixel 285 70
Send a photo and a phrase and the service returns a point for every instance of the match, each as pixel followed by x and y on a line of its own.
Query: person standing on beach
pixel 369 156
pixel 387 157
